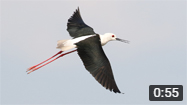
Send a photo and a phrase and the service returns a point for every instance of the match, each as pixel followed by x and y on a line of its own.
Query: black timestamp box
pixel 165 92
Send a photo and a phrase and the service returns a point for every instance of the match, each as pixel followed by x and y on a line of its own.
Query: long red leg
pixel 44 61
pixel 33 69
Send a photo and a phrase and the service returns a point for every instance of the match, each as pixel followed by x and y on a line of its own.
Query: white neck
pixel 104 39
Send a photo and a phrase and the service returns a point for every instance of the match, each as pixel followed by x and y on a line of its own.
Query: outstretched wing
pixel 96 62
pixel 76 26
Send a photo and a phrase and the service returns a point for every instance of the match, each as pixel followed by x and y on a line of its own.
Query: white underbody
pixel 65 45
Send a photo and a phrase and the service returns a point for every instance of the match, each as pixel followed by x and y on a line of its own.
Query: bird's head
pixel 110 37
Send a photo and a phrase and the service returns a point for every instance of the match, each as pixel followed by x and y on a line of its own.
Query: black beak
pixel 122 40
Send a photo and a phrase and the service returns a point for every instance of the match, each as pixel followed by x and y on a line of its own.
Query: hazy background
pixel 156 54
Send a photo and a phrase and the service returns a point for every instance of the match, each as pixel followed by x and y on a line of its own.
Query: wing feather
pixel 76 26
pixel 96 62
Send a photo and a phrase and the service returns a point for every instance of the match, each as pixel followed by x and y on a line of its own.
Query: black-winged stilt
pixel 89 48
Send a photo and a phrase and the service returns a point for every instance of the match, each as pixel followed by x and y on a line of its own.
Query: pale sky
pixel 156 54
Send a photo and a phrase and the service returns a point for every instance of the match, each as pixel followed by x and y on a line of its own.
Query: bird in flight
pixel 88 44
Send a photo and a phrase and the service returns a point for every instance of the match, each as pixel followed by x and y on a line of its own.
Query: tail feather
pixel 65 45
pixel 60 44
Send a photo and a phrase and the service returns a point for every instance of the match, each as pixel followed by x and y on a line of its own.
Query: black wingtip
pixel 76 17
pixel 76 26
pixel 116 90
pixel 77 11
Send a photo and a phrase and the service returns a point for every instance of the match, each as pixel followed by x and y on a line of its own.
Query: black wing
pixel 96 62
pixel 76 26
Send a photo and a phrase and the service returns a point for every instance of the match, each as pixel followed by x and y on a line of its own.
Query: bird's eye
pixel 112 35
